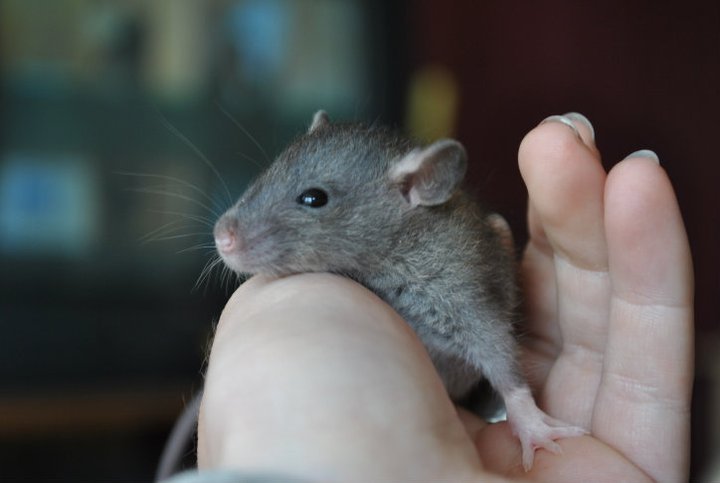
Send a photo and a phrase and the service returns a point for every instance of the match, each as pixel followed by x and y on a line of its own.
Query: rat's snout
pixel 225 232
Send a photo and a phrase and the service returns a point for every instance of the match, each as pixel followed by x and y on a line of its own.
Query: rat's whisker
pixel 153 190
pixel 251 159
pixel 199 153
pixel 246 132
pixel 223 278
pixel 204 220
pixel 182 235
pixel 229 275
pixel 179 181
pixel 205 272
pixel 234 280
pixel 164 230
pixel 200 246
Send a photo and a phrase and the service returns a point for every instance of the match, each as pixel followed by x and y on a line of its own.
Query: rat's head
pixel 337 199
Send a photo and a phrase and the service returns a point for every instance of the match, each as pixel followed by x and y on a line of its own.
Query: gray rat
pixel 368 203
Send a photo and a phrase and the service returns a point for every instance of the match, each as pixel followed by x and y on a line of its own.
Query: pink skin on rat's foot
pixel 533 427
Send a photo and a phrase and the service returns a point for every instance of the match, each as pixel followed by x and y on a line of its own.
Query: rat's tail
pixel 180 438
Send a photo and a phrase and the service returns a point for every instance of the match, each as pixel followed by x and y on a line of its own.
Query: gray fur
pixel 435 255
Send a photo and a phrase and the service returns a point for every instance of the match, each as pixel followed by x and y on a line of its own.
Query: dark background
pixel 104 333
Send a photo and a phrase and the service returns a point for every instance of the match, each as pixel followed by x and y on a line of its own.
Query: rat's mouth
pixel 236 257
pixel 251 253
pixel 232 244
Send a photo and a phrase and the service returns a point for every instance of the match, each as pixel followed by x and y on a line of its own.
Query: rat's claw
pixel 536 434
pixel 544 436
pixel 534 428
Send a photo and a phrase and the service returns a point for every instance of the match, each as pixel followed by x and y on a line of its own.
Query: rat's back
pixel 452 278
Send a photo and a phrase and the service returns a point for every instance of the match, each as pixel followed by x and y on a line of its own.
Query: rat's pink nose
pixel 225 242
pixel 225 234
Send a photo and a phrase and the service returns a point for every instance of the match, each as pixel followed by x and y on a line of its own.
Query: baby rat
pixel 371 205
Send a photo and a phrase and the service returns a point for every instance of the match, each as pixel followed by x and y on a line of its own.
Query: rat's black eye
pixel 313 197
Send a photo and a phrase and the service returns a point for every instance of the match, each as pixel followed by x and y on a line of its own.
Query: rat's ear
pixel 428 176
pixel 320 119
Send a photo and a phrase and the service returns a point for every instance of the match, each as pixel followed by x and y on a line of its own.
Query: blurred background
pixel 116 114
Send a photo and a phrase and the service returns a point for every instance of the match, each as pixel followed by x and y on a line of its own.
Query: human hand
pixel 609 293
pixel 313 376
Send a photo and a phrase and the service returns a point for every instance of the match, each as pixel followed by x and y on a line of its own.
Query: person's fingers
pixel 315 376
pixel 561 168
pixel 565 179
pixel 643 406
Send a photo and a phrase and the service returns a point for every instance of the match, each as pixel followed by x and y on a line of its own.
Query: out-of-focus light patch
pixel 328 63
pixel 49 205
pixel 433 103
pixel 299 55
pixel 258 31
pixel 176 49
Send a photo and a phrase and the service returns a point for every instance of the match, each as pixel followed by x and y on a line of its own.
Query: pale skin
pixel 313 376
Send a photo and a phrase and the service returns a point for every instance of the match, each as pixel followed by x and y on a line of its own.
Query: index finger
pixel 315 376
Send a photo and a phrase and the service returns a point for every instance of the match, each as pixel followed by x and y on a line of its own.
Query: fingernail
pixel 564 120
pixel 576 116
pixel 644 153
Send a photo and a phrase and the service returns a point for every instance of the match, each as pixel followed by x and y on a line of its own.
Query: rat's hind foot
pixel 540 431
pixel 533 427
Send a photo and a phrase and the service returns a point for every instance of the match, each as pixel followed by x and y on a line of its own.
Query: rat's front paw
pixel 534 428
